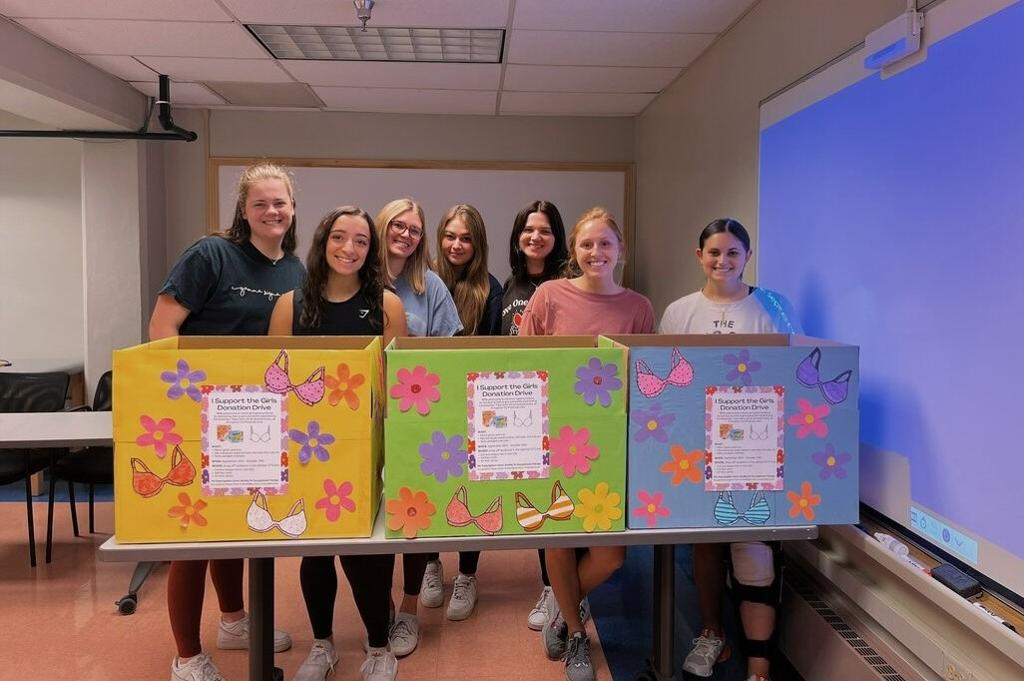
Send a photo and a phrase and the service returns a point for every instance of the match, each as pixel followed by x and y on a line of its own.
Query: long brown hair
pixel 572 267
pixel 416 265
pixel 239 232
pixel 469 288
pixel 371 284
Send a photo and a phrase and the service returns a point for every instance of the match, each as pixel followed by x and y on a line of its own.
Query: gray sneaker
pixel 319 663
pixel 432 588
pixel 463 599
pixel 555 634
pixel 539 614
pixel 577 659
pixel 584 610
pixel 405 634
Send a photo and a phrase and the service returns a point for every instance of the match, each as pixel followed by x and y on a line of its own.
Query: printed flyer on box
pixel 244 434
pixel 507 414
pixel 744 438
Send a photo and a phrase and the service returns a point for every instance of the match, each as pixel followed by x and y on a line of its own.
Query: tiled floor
pixel 59 620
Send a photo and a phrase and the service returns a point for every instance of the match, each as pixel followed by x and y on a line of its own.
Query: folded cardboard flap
pixel 493 342
pixel 276 342
pixel 721 340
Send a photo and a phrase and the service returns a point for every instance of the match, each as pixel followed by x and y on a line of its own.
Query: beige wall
pixel 697 143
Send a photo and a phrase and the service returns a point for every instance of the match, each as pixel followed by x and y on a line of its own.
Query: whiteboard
pixel 497 190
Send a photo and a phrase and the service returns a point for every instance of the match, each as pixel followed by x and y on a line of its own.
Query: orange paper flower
pixel 343 386
pixel 189 512
pixel 410 512
pixel 803 502
pixel 684 466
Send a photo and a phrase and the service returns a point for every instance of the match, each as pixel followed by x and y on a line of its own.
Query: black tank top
pixel 350 318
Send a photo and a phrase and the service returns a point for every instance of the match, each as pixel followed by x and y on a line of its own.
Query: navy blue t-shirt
pixel 229 290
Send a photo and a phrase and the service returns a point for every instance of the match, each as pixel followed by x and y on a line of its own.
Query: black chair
pixel 89 466
pixel 29 392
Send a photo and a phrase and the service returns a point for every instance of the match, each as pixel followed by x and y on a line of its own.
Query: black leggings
pixel 370 579
pixel 468 561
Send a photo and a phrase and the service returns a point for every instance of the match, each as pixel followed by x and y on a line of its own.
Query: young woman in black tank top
pixel 344 295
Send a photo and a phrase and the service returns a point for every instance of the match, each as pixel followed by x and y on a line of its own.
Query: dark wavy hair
pixel 727 225
pixel 555 260
pixel 371 282
pixel 240 232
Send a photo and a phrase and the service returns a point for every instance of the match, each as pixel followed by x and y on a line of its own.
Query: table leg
pixel 664 611
pixel 261 621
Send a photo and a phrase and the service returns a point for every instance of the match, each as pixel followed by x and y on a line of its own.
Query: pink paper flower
pixel 810 420
pixel 650 507
pixel 336 498
pixel 572 452
pixel 158 435
pixel 416 388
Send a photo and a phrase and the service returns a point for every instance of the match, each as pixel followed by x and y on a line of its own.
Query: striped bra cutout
pixel 531 519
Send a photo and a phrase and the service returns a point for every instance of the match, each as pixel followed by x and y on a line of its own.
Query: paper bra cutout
pixel 458 514
pixel 531 519
pixel 834 391
pixel 651 385
pixel 258 517
pixel 277 381
pixel 757 513
pixel 148 484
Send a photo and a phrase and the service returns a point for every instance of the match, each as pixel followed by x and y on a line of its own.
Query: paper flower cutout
pixel 650 507
pixel 598 508
pixel 158 434
pixel 804 502
pixel 409 513
pixel 651 423
pixel 312 442
pixel 343 387
pixel 415 388
pixel 572 452
pixel 442 456
pixel 184 381
pixel 683 466
pixel 596 380
pixel 336 497
pixel 741 366
pixel 188 511
pixel 831 463
pixel 810 420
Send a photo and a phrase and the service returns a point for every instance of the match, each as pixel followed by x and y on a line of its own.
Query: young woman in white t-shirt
pixel 727 305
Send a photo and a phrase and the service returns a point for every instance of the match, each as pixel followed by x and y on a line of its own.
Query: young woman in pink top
pixel 588 302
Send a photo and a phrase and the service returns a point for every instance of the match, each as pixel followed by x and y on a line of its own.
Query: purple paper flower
pixel 546 459
pixel 184 381
pixel 831 463
pixel 206 476
pixel 442 456
pixel 741 366
pixel 472 461
pixel 312 442
pixel 651 423
pixel 284 475
pixel 596 380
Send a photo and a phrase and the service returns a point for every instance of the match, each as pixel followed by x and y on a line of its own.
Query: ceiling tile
pixel 187 94
pixel 575 104
pixel 455 13
pixel 587 78
pixel 178 10
pixel 396 75
pixel 655 16
pixel 206 69
pixel 125 68
pixel 147 38
pixel 285 95
pixel 387 100
pixel 582 48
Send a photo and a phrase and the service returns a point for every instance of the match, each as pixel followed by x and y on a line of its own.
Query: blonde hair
pixel 415 267
pixel 572 267
pixel 239 232
pixel 471 287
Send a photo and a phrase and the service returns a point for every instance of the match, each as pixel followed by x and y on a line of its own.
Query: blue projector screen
pixel 891 213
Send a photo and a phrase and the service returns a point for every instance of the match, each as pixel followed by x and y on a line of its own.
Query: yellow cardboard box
pixel 247 437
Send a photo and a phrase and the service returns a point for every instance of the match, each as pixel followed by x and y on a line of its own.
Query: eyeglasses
pixel 399 227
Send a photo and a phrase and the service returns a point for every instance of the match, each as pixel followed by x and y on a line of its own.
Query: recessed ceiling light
pixel 350 43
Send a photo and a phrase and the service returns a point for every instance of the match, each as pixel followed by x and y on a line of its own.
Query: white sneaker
pixel 432 589
pixel 198 668
pixel 380 665
pixel 463 598
pixel 539 614
pixel 707 651
pixel 319 663
pixel 235 636
pixel 405 634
